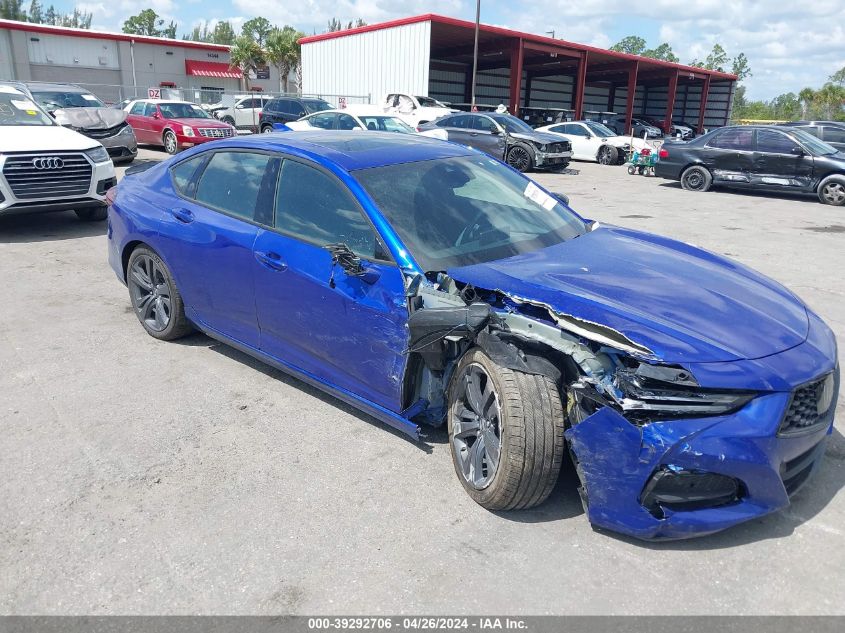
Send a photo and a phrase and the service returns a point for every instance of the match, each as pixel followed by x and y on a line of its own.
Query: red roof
pixel 199 68
pixel 14 25
pixel 497 30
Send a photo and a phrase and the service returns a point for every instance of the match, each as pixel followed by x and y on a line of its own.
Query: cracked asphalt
pixel 141 477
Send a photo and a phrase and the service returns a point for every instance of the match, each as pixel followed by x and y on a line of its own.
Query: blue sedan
pixel 428 284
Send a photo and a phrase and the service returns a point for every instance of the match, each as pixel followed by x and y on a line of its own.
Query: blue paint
pixel 730 326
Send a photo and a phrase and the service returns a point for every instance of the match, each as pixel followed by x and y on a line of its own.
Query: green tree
pixel 12 10
pixel 336 25
pixel 283 52
pixel 806 97
pixel 147 22
pixel 223 33
pixel 633 45
pixel 36 13
pixel 716 60
pixel 664 52
pixel 246 55
pixel 838 77
pixel 829 100
pixel 50 15
pixel 257 29
pixel 786 106
pixel 740 67
pixel 200 33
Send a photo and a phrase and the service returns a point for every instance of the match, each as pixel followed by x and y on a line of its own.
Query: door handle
pixel 271 260
pixel 183 215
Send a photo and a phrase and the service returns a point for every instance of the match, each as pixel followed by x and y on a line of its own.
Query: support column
pixel 670 102
pixel 580 85
pixel 705 89
pixel 517 53
pixel 611 98
pixel 629 99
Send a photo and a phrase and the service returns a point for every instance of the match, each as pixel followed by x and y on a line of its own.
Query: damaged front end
pixel 658 454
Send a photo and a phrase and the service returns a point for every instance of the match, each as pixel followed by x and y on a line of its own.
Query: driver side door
pixel 345 330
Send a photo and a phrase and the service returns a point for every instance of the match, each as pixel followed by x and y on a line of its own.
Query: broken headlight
pixel 652 392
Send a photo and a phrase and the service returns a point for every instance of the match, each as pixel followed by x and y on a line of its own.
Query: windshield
pixel 17 109
pixel 511 123
pixel 182 111
pixel 315 105
pixel 428 102
pixel 386 124
pixel 468 210
pixel 59 100
pixel 816 146
pixel 599 129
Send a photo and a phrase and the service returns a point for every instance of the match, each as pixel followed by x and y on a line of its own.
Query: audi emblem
pixel 48 162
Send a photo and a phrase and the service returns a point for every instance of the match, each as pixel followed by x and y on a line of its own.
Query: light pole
pixel 475 53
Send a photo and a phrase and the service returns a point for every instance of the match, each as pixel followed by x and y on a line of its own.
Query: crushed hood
pixel 90 118
pixel 681 304
pixel 42 138
pixel 540 137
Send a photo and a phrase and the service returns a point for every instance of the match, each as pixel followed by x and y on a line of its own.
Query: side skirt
pixel 380 413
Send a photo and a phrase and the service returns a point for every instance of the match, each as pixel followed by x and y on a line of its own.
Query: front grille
pixel 72 178
pixel 806 408
pixel 215 132
pixel 557 148
pixel 102 132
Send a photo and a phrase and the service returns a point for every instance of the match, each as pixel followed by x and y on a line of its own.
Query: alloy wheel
pixel 170 143
pixel 604 156
pixel 150 293
pixel 476 427
pixel 519 159
pixel 834 193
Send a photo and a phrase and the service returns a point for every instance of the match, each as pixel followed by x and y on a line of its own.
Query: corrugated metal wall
pixel 375 63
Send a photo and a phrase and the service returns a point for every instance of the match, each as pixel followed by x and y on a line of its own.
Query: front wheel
pixel 170 144
pixel 832 191
pixel 520 158
pixel 155 298
pixel 267 129
pixel 607 155
pixel 505 433
pixel 696 178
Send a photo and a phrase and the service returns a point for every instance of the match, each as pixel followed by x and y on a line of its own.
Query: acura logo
pixel 48 162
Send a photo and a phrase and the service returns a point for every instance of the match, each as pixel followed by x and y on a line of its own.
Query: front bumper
pixel 617 460
pixel 121 147
pixel 544 159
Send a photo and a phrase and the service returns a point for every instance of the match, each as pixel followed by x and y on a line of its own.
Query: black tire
pixel 696 178
pixel 148 299
pixel 607 155
pixel 832 191
pixel 93 214
pixel 171 145
pixel 530 429
pixel 267 129
pixel 520 158
pixel 229 120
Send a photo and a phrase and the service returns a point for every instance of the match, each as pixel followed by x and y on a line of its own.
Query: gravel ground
pixel 174 478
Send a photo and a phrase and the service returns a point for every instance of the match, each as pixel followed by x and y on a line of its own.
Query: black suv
pixel 287 109
pixel 831 132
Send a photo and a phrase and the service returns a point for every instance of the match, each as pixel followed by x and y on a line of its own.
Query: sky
pixel 790 45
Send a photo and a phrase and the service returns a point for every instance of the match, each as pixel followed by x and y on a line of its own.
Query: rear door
pixel 729 156
pixel 209 234
pixel 459 128
pixel 345 330
pixel 780 162
pixel 486 136
pixel 834 136
pixel 156 122
pixel 139 123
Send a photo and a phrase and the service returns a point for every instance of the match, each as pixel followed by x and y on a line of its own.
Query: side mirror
pixel 343 256
pixel 797 151
pixel 562 197
pixel 156 115
pixel 495 131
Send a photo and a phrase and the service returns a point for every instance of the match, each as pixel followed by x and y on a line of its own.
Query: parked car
pixel 47 167
pixel 766 157
pixel 175 125
pixel 505 137
pixel 831 132
pixel 78 109
pixel 678 130
pixel 414 110
pixel 343 120
pixel 424 283
pixel 594 142
pixel 641 128
pixel 288 109
pixel 243 112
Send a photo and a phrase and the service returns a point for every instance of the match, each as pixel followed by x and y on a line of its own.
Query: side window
pixel 734 138
pixel 137 108
pixel 182 173
pixel 284 106
pixel 346 122
pixel 833 134
pixel 462 121
pixel 316 208
pixel 483 124
pixel 773 142
pixel 323 121
pixel 297 109
pixel 812 129
pixel 232 182
pixel 559 129
pixel 150 109
pixel 446 121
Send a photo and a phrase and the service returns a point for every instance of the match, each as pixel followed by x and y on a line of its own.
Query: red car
pixel 174 124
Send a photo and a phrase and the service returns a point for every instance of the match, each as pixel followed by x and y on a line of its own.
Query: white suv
pixel 47 167
pixel 242 111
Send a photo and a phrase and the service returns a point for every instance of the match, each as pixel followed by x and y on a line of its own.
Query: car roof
pixel 10 89
pixel 43 85
pixel 352 150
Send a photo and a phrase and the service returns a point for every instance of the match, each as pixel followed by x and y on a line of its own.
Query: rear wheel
pixel 94 214
pixel 171 146
pixel 832 191
pixel 696 178
pixel 607 155
pixel 505 433
pixel 155 298
pixel 520 158
pixel 267 129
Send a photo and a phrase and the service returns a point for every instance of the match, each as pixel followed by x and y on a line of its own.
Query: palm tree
pixel 282 52
pixel 831 97
pixel 806 96
pixel 246 55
